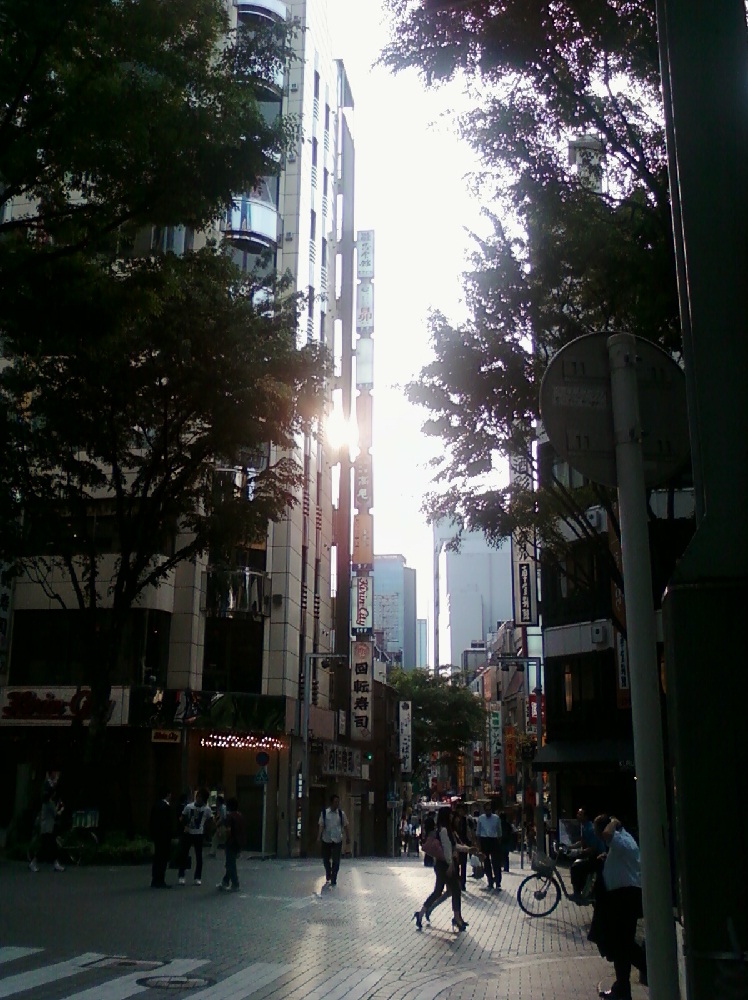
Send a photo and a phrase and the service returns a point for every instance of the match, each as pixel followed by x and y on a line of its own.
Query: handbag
pixel 433 847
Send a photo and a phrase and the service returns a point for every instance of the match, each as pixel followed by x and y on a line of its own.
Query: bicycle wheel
pixel 78 845
pixel 538 895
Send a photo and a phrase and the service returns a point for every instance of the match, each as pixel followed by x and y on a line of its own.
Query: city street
pixel 104 934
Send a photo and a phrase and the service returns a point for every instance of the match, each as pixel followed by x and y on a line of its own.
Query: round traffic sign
pixel 577 413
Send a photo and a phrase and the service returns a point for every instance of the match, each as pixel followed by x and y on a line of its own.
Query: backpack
pixel 323 818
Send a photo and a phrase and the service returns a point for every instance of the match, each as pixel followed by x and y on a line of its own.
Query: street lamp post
pixel 306 700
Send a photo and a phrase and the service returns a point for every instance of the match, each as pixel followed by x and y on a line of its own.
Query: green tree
pixel 119 115
pixel 446 719
pixel 574 249
pixel 110 445
pixel 128 377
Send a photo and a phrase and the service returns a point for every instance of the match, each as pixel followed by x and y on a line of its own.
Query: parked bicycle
pixel 540 893
pixel 76 845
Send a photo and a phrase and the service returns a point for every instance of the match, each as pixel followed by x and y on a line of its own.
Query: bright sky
pixel 410 190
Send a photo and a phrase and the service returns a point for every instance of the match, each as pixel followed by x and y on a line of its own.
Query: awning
pixel 606 754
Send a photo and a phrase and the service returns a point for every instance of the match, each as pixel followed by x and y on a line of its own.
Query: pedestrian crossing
pixel 278 979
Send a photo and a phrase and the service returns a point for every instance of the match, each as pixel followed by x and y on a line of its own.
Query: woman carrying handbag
pixel 444 847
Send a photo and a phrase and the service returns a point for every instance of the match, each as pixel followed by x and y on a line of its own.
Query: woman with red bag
pixel 443 848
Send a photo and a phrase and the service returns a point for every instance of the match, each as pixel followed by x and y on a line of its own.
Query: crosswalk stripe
pixel 244 983
pixel 46 974
pixel 9 954
pixel 350 989
pixel 127 986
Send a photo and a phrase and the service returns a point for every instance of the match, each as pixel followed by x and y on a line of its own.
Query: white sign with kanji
pixel 362 689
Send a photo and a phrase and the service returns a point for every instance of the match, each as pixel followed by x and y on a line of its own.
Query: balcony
pixel 238 593
pixel 252 223
pixel 274 10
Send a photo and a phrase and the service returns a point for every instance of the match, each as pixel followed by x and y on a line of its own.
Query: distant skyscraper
pixel 422 643
pixel 395 608
pixel 472 591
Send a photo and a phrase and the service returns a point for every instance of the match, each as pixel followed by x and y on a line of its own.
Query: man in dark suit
pixel 162 825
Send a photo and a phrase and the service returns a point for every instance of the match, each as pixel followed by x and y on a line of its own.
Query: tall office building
pixel 395 609
pixel 216 696
pixel 472 592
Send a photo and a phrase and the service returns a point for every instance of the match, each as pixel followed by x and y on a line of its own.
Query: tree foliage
pixel 118 115
pixel 130 377
pixel 572 248
pixel 110 443
pixel 446 718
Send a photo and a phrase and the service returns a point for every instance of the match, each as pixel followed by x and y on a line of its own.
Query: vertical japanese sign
pixel 495 745
pixel 362 604
pixel 406 740
pixel 365 253
pixel 524 568
pixel 362 689
pixel 623 679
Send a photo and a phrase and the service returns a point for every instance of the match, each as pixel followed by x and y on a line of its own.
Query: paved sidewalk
pixel 285 936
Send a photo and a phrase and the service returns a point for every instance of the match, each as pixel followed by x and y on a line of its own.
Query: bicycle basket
pixel 542 864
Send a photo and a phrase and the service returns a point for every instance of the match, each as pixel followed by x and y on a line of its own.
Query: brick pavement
pixel 285 937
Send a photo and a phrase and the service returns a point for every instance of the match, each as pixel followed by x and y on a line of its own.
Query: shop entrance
pixel 250 796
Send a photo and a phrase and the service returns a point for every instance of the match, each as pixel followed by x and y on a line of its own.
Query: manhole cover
pixel 175 982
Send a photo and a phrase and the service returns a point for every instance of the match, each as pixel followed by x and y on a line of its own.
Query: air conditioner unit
pixel 598 634
pixel 594 518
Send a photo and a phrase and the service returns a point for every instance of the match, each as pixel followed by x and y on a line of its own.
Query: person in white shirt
pixel 489 835
pixel 332 825
pixel 194 817
pixel 621 906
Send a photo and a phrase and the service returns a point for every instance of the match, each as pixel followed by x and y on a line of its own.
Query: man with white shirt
pixel 332 825
pixel 488 829
pixel 622 906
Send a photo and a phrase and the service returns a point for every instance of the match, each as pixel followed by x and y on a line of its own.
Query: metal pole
pixel 645 689
pixel 306 700
pixel 539 817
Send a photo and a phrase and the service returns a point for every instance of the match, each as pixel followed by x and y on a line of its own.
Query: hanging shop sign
pixel 365 254
pixel 58 706
pixel 406 738
pixel 362 603
pixel 362 689
pixel 340 760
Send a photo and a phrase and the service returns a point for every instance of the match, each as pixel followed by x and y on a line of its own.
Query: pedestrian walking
pixel 428 826
pixel 489 835
pixel 194 817
pixel 618 907
pixel 234 843
pixel 462 835
pixel 447 874
pixel 162 827
pixel 219 832
pixel 332 825
pixel 49 814
pixel 507 838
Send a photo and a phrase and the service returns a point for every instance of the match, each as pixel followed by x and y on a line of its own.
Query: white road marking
pixel 127 986
pixel 9 954
pixel 348 984
pixel 47 974
pixel 245 983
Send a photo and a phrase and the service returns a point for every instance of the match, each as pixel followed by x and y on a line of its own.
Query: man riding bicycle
pixel 590 847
